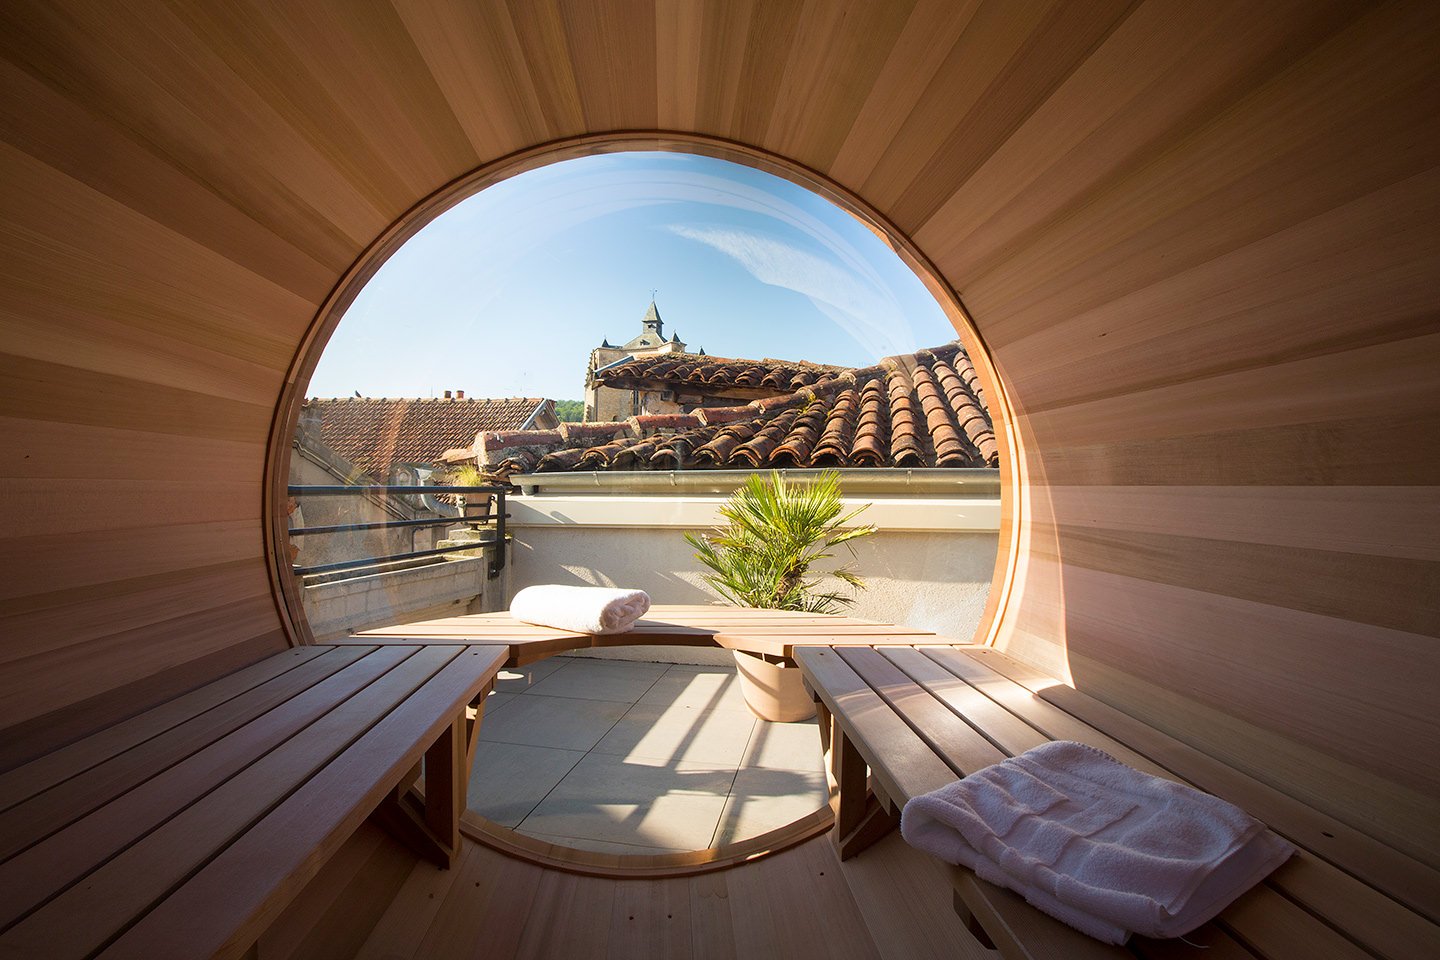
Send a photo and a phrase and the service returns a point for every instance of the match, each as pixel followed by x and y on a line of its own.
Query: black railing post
pixel 501 512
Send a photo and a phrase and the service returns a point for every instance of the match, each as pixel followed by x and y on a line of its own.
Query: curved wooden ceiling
pixel 1200 241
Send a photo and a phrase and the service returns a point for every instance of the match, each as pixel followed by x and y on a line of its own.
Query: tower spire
pixel 651 322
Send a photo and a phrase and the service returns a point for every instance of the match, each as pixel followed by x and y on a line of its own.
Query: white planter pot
pixel 773 691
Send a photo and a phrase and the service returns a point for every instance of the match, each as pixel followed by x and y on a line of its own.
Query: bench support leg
pixel 432 829
pixel 860 818
pixel 476 713
pixel 446 766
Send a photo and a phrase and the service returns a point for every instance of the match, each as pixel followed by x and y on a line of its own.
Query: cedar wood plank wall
pixel 1199 240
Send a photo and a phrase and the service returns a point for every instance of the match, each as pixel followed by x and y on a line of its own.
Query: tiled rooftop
pixel 374 433
pixel 925 409
pixel 691 369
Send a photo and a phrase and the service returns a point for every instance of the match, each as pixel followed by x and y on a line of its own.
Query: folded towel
pixel 1099 845
pixel 581 609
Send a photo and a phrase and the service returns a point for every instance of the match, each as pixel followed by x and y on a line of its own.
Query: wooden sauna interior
pixel 1199 242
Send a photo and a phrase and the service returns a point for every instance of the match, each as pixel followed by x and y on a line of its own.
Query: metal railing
pixel 495 516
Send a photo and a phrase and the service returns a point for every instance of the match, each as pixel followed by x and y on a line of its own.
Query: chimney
pixel 459 394
pixel 447 394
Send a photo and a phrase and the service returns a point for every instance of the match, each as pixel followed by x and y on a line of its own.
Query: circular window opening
pixel 577 376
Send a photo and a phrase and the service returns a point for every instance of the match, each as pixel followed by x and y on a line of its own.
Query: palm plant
pixel 776 531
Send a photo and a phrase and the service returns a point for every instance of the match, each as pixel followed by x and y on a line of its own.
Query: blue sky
pixel 506 294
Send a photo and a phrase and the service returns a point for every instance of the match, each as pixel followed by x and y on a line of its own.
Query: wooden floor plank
pixel 564 933
pixel 893 885
pixel 43 814
pixel 32 877
pixel 477 918
pixel 45 772
pixel 407 918
pixel 648 919
pixel 712 919
pixel 250 882
pixel 88 915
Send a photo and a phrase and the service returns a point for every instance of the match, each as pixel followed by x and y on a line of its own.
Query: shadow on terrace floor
pixel 642 758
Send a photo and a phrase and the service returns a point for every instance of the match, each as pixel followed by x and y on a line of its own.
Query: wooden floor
pixel 375 901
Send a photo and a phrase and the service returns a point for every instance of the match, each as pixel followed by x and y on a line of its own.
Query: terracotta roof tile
pixel 833 448
pixel 906 447
pixel 500 439
pixel 687 368
pixel 678 451
pixel 655 422
pixel 375 434
pixel 923 409
pixel 869 450
pixel 718 451
pixel 599 432
pixel 758 451
pixel 562 459
pixel 713 415
pixel 636 456
pixel 804 434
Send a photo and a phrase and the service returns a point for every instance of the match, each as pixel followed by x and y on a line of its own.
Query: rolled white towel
pixel 581 609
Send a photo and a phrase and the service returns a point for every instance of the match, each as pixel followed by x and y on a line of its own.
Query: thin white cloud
pixel 867 312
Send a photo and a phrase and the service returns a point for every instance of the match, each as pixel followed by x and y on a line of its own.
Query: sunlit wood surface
pixel 773 632
pixel 1342 894
pixel 1198 239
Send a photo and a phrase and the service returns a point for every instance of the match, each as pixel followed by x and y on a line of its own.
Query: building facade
pixel 605 401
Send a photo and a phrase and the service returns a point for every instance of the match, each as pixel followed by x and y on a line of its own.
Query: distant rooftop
pixel 925 409
pixel 762 377
pixel 376 434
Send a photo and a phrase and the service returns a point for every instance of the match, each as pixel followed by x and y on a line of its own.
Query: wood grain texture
pixel 892 904
pixel 1343 893
pixel 1199 242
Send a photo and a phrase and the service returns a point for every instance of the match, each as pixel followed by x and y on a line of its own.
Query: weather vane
pixel 652 295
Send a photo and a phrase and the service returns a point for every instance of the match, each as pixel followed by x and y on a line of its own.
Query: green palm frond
pixel 775 532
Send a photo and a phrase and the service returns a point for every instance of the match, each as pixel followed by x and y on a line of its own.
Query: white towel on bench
pixel 1095 843
pixel 580 609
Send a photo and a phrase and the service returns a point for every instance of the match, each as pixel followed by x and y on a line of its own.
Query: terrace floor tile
pixel 677 733
pixel 697 688
pixel 785 746
pixel 559 722
pixel 762 800
pixel 672 805
pixel 509 780
pixel 583 679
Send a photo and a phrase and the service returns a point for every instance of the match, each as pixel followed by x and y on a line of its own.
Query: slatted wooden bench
pixel 920 717
pixel 185 830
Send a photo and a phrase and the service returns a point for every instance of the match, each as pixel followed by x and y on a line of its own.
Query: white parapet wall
pixel 930 565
